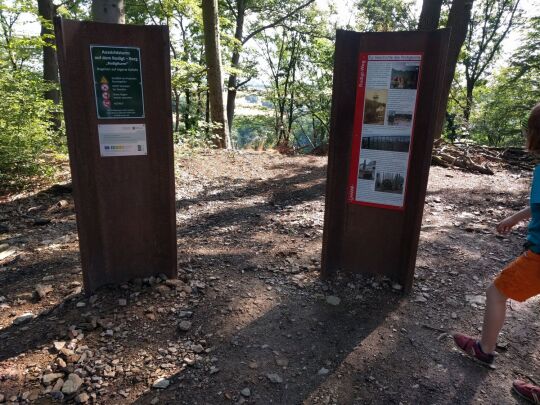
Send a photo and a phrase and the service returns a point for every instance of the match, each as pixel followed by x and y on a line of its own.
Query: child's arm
pixel 508 223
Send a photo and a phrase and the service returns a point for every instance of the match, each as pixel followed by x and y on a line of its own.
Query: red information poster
pixel 383 128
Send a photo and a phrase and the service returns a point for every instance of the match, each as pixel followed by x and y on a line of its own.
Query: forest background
pixel 276 80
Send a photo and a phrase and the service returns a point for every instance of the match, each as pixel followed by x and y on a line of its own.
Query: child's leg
pixel 493 318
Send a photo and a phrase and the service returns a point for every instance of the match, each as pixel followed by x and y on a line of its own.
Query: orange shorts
pixel 520 280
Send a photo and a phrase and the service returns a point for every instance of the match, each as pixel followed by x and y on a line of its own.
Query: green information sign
pixel 117 81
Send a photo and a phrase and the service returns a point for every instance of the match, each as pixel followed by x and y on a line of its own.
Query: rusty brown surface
pixel 370 239
pixel 125 205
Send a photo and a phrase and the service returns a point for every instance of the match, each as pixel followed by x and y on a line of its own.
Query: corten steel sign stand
pixel 386 110
pixel 117 104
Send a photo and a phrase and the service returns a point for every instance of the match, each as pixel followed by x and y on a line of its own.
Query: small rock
pixel 23 318
pixel 58 385
pixel 282 361
pixel 161 383
pixel 421 299
pixel 163 289
pixel 122 302
pixel 323 371
pixel 59 345
pixel 475 300
pixel 72 384
pixel 61 363
pixel 274 378
pixel 333 300
pixel 185 314
pixel 397 287
pixel 57 395
pixel 154 401
pixel 82 398
pixel 184 326
pixel 246 392
pixel 198 348
pixel 49 378
pixel 214 370
pixel 454 315
pixel 81 304
pixel 42 290
pixel 175 283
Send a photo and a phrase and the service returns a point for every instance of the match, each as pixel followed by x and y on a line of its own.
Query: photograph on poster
pixel 375 106
pixel 386 182
pixel 366 169
pixel 389 143
pixel 404 76
pixel 399 119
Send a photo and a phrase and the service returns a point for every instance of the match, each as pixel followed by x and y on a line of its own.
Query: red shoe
pixel 472 347
pixel 530 392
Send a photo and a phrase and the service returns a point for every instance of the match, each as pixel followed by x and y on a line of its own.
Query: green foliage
pixel 25 135
pixel 254 131
pixel 26 138
pixel 504 104
pixel 386 15
pixel 300 58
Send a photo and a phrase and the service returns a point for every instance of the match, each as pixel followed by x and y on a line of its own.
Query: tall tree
pixel 47 11
pixel 386 15
pixel 430 15
pixel 251 18
pixel 527 56
pixel 458 20
pixel 282 54
pixel 490 24
pixel 299 58
pixel 504 104
pixel 214 73
pixel 109 11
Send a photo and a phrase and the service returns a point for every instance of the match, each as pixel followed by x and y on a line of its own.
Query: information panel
pixel 122 139
pixel 383 128
pixel 117 81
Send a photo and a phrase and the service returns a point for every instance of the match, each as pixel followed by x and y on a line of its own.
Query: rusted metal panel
pixel 125 205
pixel 359 238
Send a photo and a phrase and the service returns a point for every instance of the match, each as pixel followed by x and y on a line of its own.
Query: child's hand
pixel 506 225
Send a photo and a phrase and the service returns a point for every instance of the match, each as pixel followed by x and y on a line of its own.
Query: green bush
pixel 26 137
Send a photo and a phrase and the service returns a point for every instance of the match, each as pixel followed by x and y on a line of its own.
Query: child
pixel 520 280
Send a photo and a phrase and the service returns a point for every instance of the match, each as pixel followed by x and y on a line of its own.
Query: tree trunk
pixel 47 12
pixel 214 75
pixel 235 63
pixel 176 110
pixel 430 15
pixel 468 100
pixel 109 11
pixel 187 116
pixel 207 112
pixel 458 20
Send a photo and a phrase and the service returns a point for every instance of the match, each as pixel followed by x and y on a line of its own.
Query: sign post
pixel 117 104
pixel 386 108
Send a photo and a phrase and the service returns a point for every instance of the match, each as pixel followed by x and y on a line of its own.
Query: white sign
pixel 122 139
pixel 384 120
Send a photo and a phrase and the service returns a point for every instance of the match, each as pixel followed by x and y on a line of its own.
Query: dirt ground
pixel 250 321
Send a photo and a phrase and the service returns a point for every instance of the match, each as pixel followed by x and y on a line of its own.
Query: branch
pixel 276 22
pixel 497 44
pixel 231 9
